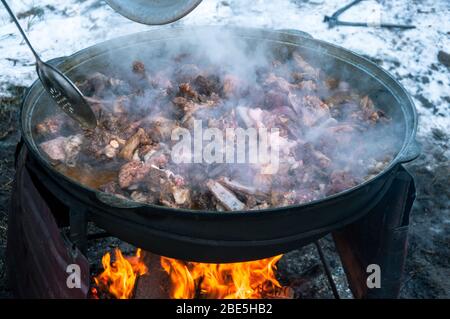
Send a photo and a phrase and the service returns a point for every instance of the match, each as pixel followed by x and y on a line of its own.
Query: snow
pixel 64 27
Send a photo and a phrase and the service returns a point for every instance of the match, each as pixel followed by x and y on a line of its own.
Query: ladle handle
pixel 16 21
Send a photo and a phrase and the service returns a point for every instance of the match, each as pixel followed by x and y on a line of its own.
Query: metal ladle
pixel 62 90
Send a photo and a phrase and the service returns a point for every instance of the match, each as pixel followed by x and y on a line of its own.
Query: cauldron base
pixel 38 253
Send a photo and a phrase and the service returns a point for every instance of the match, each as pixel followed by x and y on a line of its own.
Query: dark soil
pixel 427 273
pixel 9 136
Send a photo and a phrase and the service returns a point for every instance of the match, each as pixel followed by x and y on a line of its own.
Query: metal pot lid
pixel 153 12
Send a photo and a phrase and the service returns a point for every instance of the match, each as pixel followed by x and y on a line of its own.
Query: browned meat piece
pixel 232 86
pixel 317 118
pixel 275 98
pixel 98 105
pixel 102 142
pixel 283 198
pixel 369 112
pixel 182 102
pixel 121 105
pixel 279 83
pixel 366 103
pixel 305 66
pixel 113 188
pixel 138 67
pixel 142 197
pixel 161 80
pixel 310 156
pixel 159 158
pixel 339 181
pixel 50 126
pixel 226 198
pixel 174 195
pixel 308 85
pixel 331 83
pixel 304 196
pixel 207 85
pixel 132 174
pixel 72 148
pixel 238 187
pixel 140 137
pixel 97 83
pixel 323 161
pixel 186 90
pixel 161 128
pixel 63 149
pixel 310 108
pixel 55 148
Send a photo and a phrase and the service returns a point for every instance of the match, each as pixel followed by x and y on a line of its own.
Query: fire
pixel 245 280
pixel 119 277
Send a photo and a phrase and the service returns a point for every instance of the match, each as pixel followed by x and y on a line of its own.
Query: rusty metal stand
pixel 379 238
pixel 37 254
pixel 78 228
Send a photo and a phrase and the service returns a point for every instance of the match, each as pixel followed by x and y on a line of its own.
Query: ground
pixel 418 58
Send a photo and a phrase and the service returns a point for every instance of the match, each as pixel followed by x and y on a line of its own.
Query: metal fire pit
pixel 38 252
pixel 218 236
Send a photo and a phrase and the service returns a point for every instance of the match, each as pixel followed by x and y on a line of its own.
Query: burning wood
pixel 177 279
pixel 119 277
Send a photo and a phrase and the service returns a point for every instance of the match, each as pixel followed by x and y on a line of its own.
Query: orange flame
pixel 119 277
pixel 246 280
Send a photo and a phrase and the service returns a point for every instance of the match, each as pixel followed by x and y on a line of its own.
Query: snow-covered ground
pixel 59 28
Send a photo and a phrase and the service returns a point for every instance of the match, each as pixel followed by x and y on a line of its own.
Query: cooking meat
pixel 133 173
pixel 327 136
pixel 63 149
pixel 225 197
pixel 140 137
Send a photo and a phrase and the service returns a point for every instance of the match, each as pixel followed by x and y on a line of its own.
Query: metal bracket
pixel 334 20
pixel 78 228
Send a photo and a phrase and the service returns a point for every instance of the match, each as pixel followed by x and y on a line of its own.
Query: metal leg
pixel 327 270
pixel 78 228
pixel 379 238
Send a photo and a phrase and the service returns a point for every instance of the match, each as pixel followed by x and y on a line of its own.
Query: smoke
pixel 334 120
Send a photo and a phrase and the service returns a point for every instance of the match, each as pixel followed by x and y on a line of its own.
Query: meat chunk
pixel 188 91
pixel 310 120
pixel 310 108
pixel 225 197
pixel 55 148
pixel 339 181
pixel 138 68
pixel 233 86
pixel 51 126
pixel 63 149
pixel 238 187
pixel 140 137
pixel 207 85
pixel 304 66
pixel 132 174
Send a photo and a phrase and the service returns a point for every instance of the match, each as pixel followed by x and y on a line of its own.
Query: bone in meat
pixel 225 197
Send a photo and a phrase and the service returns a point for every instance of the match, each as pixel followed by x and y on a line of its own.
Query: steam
pixel 267 89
